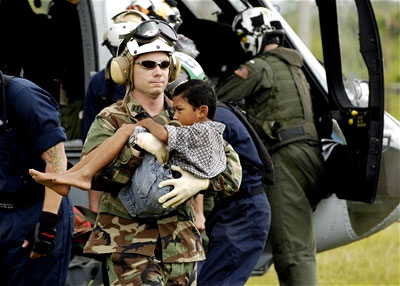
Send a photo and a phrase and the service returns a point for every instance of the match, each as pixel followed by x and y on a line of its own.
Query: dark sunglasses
pixel 147 31
pixel 152 64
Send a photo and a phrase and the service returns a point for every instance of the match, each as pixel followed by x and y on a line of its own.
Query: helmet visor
pixel 149 30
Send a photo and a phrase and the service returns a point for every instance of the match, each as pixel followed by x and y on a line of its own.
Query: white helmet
pixel 157 45
pixel 190 69
pixel 251 25
pixel 123 23
pixel 190 66
pixel 149 36
pixel 166 9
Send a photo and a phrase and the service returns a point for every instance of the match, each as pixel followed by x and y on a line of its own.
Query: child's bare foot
pixel 47 179
pixel 51 180
pixel 76 179
pixel 62 190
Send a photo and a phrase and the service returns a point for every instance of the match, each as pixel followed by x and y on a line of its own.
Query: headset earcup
pixel 175 68
pixel 119 69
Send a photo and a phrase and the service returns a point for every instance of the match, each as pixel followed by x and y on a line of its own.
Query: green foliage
pixel 388 19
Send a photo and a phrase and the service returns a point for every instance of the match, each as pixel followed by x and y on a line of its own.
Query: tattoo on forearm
pixel 53 159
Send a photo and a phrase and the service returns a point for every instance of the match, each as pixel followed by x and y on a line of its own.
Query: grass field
pixel 369 262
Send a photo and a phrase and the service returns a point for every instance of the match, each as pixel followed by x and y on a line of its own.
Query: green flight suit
pixel 277 99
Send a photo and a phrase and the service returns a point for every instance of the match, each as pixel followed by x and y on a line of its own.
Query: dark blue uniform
pixel 237 226
pixel 101 93
pixel 34 127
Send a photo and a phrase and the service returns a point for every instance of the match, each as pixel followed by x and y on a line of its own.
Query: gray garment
pixel 197 149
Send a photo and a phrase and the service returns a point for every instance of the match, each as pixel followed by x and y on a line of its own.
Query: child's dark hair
pixel 198 92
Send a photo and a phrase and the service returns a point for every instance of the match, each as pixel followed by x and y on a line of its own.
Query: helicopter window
pixel 303 18
pixel 238 5
pixel 207 9
pixel 355 73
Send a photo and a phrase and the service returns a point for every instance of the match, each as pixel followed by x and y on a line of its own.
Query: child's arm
pixel 154 128
pixel 106 151
pixel 82 173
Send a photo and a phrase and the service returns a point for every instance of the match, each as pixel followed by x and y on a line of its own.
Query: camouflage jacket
pixel 115 230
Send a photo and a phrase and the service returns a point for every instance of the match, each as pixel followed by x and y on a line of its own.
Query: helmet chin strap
pixel 171 87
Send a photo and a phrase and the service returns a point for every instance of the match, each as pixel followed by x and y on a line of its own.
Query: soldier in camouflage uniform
pixel 161 251
pixel 277 99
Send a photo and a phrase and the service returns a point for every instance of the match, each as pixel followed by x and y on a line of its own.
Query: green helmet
pixel 190 69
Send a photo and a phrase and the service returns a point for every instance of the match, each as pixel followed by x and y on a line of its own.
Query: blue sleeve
pixel 91 106
pixel 36 112
pixel 237 135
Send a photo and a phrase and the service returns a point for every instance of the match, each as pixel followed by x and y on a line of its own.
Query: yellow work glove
pixel 151 144
pixel 185 187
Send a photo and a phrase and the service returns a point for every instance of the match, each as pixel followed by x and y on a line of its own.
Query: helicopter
pixel 61 49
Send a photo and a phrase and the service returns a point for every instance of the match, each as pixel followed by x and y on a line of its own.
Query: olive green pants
pixel 297 169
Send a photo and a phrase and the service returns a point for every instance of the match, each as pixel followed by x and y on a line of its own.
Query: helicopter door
pixel 354 70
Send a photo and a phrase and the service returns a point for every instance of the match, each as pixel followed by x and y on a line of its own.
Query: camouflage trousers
pixel 130 269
